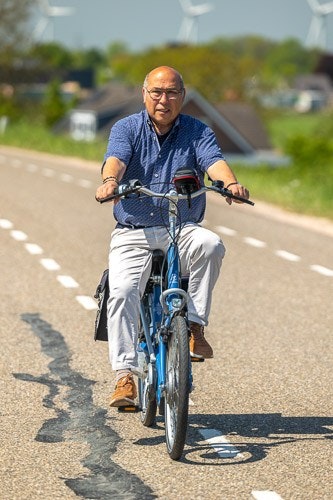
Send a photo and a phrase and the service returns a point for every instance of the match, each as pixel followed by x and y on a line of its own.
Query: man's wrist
pixel 111 178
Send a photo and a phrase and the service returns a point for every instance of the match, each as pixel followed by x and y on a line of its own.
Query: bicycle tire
pixel 147 402
pixel 177 388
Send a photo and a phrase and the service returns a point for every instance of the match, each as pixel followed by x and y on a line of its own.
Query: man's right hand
pixel 106 189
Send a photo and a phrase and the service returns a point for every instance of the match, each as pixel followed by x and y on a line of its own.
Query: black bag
pixel 102 295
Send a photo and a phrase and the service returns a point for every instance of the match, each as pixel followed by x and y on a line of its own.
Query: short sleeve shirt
pixel 190 144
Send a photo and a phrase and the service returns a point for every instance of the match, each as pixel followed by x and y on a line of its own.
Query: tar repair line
pixel 49 264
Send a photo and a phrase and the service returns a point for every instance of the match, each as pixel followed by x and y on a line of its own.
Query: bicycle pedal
pixel 197 360
pixel 129 409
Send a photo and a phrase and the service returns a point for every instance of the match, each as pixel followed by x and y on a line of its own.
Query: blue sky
pixel 146 23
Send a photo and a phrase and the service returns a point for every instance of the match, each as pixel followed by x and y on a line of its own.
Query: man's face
pixel 163 97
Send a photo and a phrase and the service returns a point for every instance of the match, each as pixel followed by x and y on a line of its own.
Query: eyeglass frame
pixel 166 92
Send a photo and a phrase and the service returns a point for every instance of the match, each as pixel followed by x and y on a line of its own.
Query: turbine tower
pixel 189 28
pixel 317 32
pixel 48 15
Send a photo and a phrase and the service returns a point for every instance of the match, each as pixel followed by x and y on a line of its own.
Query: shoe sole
pixel 122 402
pixel 199 356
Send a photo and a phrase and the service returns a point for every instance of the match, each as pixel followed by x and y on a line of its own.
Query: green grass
pixel 302 187
pixel 30 135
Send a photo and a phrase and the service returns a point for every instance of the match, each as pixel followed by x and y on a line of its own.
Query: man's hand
pixel 106 189
pixel 237 190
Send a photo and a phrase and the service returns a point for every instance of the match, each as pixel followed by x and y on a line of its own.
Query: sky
pixel 141 24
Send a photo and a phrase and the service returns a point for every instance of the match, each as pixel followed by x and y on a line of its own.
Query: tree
pixel 54 105
pixel 13 16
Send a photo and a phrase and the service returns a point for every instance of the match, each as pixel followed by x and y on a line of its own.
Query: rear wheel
pixel 147 397
pixel 177 387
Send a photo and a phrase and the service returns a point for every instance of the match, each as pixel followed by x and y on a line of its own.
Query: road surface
pixel 261 414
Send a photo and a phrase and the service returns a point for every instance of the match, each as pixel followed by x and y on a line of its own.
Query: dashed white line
pixel 287 255
pixel 221 445
pixel 265 495
pixel 33 248
pixel 48 172
pixel 87 302
pixel 18 235
pixel 67 281
pixel 50 264
pixel 31 167
pixel 5 224
pixel 325 271
pixel 254 242
pixel 226 230
pixel 84 183
pixel 16 163
pixel 66 177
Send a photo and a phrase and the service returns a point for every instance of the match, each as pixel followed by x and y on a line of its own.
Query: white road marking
pixel 287 255
pixel 226 230
pixel 325 271
pixel 221 445
pixel 16 163
pixel 48 172
pixel 67 281
pixel 33 248
pixel 5 224
pixel 66 177
pixel 87 302
pixel 265 495
pixel 50 264
pixel 31 167
pixel 84 183
pixel 18 235
pixel 254 242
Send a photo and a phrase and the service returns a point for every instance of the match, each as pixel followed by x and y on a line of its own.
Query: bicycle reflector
pixel 186 181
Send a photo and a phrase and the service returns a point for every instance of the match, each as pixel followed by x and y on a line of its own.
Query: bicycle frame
pixel 165 304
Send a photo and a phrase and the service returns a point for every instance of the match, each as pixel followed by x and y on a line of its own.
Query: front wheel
pixel 177 387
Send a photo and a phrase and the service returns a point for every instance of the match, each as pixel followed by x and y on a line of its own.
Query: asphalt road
pixel 261 415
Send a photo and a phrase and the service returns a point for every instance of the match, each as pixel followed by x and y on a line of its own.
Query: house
pixel 238 128
pixel 315 91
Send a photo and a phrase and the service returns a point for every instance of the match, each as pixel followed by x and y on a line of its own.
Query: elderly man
pixel 151 146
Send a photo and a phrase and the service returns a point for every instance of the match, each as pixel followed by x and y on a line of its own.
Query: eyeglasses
pixel 171 94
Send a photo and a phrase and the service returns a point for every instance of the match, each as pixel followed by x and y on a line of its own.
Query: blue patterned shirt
pixel 190 143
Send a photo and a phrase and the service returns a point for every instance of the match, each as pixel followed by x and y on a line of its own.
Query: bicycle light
pixel 186 181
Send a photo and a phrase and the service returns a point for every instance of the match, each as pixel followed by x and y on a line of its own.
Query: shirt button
pixel 156 175
pixel 151 214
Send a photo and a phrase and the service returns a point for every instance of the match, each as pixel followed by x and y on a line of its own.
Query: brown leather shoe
pixel 125 392
pixel 199 347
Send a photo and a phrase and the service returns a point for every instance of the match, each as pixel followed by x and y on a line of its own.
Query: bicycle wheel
pixel 177 388
pixel 147 398
pixel 146 386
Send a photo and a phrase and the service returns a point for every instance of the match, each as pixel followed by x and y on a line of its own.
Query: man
pixel 151 146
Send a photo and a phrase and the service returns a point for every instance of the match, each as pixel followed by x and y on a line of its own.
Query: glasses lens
pixel 157 94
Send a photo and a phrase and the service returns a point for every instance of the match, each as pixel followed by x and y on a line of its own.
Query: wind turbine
pixel 189 28
pixel 317 31
pixel 48 14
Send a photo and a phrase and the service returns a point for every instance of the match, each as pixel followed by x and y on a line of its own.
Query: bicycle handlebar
pixel 134 186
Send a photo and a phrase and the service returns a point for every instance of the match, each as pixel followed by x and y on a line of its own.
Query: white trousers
pixel 201 252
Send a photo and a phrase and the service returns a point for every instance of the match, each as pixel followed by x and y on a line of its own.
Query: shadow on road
pixel 262 432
